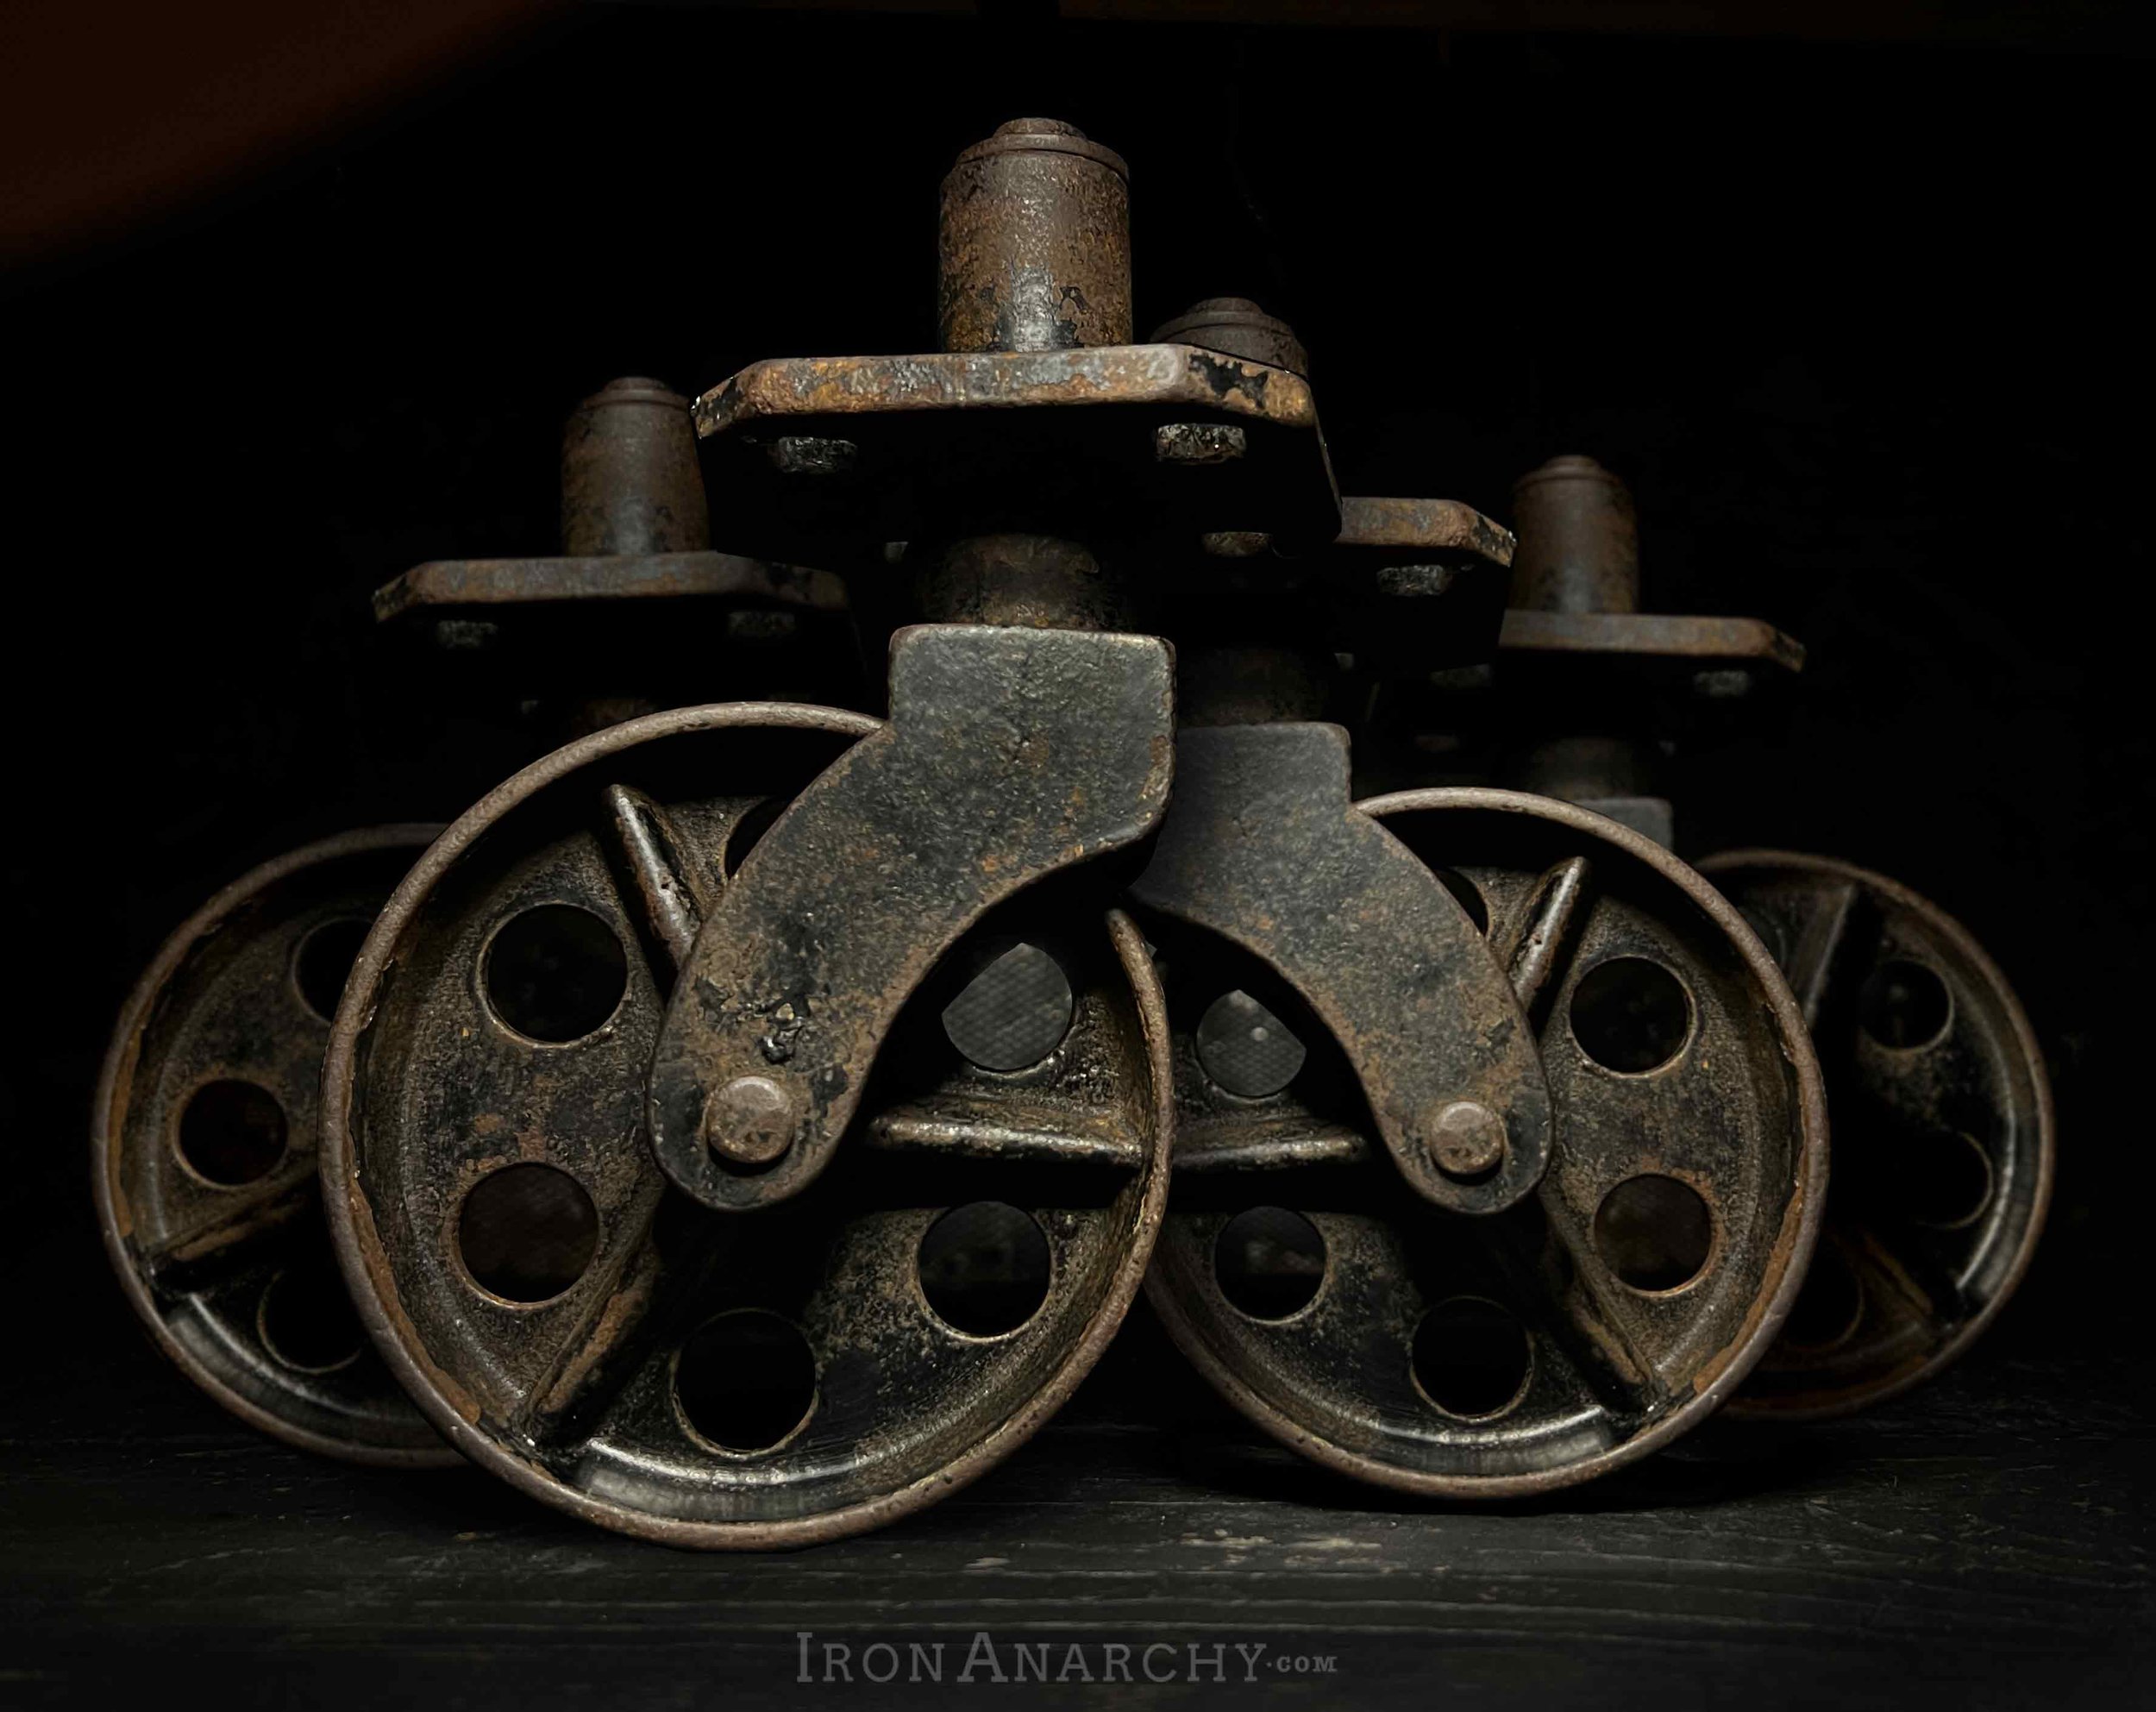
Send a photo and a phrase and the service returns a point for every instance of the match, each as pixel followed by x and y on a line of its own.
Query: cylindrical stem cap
pixel 1579 541
pixel 1035 243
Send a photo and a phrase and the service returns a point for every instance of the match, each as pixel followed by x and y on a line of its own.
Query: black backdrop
pixel 1859 323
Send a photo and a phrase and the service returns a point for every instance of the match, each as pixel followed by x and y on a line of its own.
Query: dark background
pixel 1861 320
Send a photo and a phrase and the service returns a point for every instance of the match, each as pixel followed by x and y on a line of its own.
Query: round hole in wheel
pixel 1465 892
pixel 1270 1262
pixel 1013 1013
pixel 1939 1177
pixel 745 1381
pixel 1904 1004
pixel 1631 1015
pixel 325 957
pixel 1245 1049
pixel 984 1267
pixel 556 973
pixel 306 1320
pixel 1470 1358
pixel 1829 1305
pixel 527 1233
pixel 1654 1232
pixel 232 1132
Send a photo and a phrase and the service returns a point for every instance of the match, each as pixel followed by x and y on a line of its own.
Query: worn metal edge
pixel 1657 634
pixel 107 1126
pixel 1800 1222
pixel 1183 376
pixel 360 1253
pixel 1965 943
pixel 547 580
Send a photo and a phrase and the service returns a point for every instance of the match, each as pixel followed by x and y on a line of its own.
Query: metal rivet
pixel 1466 1139
pixel 752 1120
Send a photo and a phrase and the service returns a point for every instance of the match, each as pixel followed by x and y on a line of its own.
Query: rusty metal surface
pixel 1416 585
pixel 203 1154
pixel 1036 416
pixel 588 1396
pixel 574 641
pixel 629 483
pixel 634 526
pixel 1030 581
pixel 1653 636
pixel 1262 849
pixel 1034 250
pixel 1416 526
pixel 1575 583
pixel 1192 384
pixel 1122 440
pixel 628 576
pixel 1591 694
pixel 1237 327
pixel 1011 755
pixel 1579 540
pixel 1268 628
pixel 1944 1131
pixel 1380 1340
pixel 1407 586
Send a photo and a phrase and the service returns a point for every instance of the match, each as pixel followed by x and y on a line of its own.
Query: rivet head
pixel 1466 1139
pixel 752 1120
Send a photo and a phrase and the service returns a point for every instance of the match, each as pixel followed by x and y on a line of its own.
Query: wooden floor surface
pixel 1984 1541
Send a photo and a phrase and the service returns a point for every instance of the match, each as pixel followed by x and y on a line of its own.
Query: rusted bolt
pixel 1468 1139
pixel 1416 582
pixel 1198 443
pixel 1725 683
pixel 752 1120
pixel 465 636
pixel 1236 543
pixel 812 454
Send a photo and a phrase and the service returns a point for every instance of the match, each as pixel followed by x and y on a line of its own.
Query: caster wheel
pixel 1595 1317
pixel 703 1374
pixel 205 1157
pixel 1943 1131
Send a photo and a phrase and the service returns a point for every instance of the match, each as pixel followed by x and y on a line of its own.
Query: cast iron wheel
pixel 718 1377
pixel 203 1145
pixel 1943 1131
pixel 1597 1319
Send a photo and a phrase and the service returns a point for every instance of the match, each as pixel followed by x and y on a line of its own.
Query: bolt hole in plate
pixel 203 1143
pixel 1611 1309
pixel 1944 1131
pixel 613 1345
